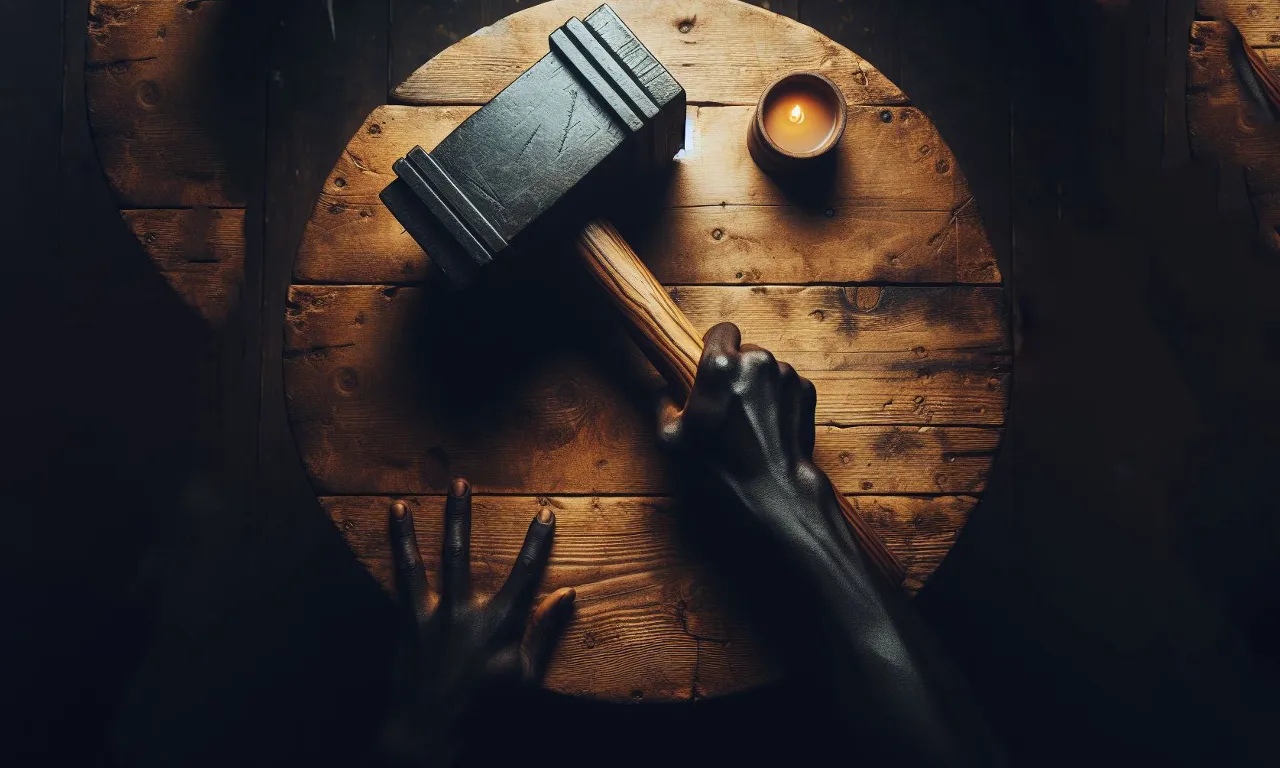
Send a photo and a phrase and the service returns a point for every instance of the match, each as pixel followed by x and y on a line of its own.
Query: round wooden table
pixel 885 293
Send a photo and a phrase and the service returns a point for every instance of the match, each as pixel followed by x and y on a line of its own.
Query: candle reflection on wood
pixel 800 117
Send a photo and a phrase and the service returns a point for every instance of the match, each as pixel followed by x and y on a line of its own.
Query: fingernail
pixel 399 510
pixel 459 488
pixel 544 516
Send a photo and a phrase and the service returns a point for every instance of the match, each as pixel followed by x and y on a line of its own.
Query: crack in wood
pixel 318 350
pixel 119 65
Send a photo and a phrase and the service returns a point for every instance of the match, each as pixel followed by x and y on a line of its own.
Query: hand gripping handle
pixel 674 347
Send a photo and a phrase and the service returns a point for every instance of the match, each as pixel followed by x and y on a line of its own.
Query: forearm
pixel 907 703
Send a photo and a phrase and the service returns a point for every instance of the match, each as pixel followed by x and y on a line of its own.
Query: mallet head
pixel 598 105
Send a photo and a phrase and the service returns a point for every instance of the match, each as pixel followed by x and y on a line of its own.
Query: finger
pixel 410 575
pixel 548 623
pixel 516 596
pixel 722 338
pixel 670 424
pixel 455 562
pixel 709 401
pixel 719 361
pixel 758 368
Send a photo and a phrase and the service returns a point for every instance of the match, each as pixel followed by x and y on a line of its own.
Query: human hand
pixel 746 436
pixel 459 651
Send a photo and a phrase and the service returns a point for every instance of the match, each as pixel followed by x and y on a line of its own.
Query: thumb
pixel 546 625
pixel 670 424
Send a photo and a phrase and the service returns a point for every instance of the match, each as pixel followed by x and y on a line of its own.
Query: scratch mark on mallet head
pixel 568 124
pixel 532 136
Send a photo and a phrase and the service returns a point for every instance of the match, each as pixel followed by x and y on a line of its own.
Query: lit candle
pixel 799 117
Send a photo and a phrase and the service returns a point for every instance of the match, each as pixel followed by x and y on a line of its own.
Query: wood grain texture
pixel 152 104
pixel 419 31
pixel 199 251
pixel 649 622
pixel 721 52
pixel 124 30
pixel 160 120
pixel 1258 20
pixel 666 335
pixel 367 418
pixel 870 27
pixel 899 211
pixel 1225 126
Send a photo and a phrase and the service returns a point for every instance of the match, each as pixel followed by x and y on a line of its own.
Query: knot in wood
pixel 867 297
pixel 148 93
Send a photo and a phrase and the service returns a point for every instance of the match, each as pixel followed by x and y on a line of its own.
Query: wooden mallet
pixel 597 110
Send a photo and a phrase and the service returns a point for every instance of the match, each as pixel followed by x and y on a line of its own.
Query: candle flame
pixel 797 115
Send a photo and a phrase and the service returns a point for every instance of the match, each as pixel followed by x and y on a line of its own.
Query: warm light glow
pixel 797 115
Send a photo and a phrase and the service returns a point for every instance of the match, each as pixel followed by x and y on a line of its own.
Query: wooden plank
pixel 162 127
pixel 1180 14
pixel 200 252
pixel 419 31
pixel 647 619
pixel 869 28
pixel 722 53
pixel 1222 122
pixel 315 101
pixel 129 30
pixel 1258 20
pixel 896 170
pixel 795 244
pixel 571 412
pixel 1224 126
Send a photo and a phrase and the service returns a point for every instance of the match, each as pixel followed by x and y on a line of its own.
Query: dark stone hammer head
pixel 597 110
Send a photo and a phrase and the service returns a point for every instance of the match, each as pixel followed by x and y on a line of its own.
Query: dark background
pixel 173 594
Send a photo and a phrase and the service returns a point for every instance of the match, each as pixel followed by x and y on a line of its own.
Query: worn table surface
pixel 884 292
pixel 1145 374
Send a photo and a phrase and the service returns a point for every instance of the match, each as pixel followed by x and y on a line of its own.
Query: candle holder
pixel 797 122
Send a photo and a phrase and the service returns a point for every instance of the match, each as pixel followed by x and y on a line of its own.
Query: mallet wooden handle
pixel 674 347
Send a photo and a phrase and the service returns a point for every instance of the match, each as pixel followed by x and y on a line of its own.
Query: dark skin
pixel 745 441
pixel 745 438
pixel 461 651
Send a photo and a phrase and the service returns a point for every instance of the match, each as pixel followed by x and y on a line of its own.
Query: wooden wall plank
pixel 720 53
pixel 897 171
pixel 1258 20
pixel 643 602
pixel 201 252
pixel 371 417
